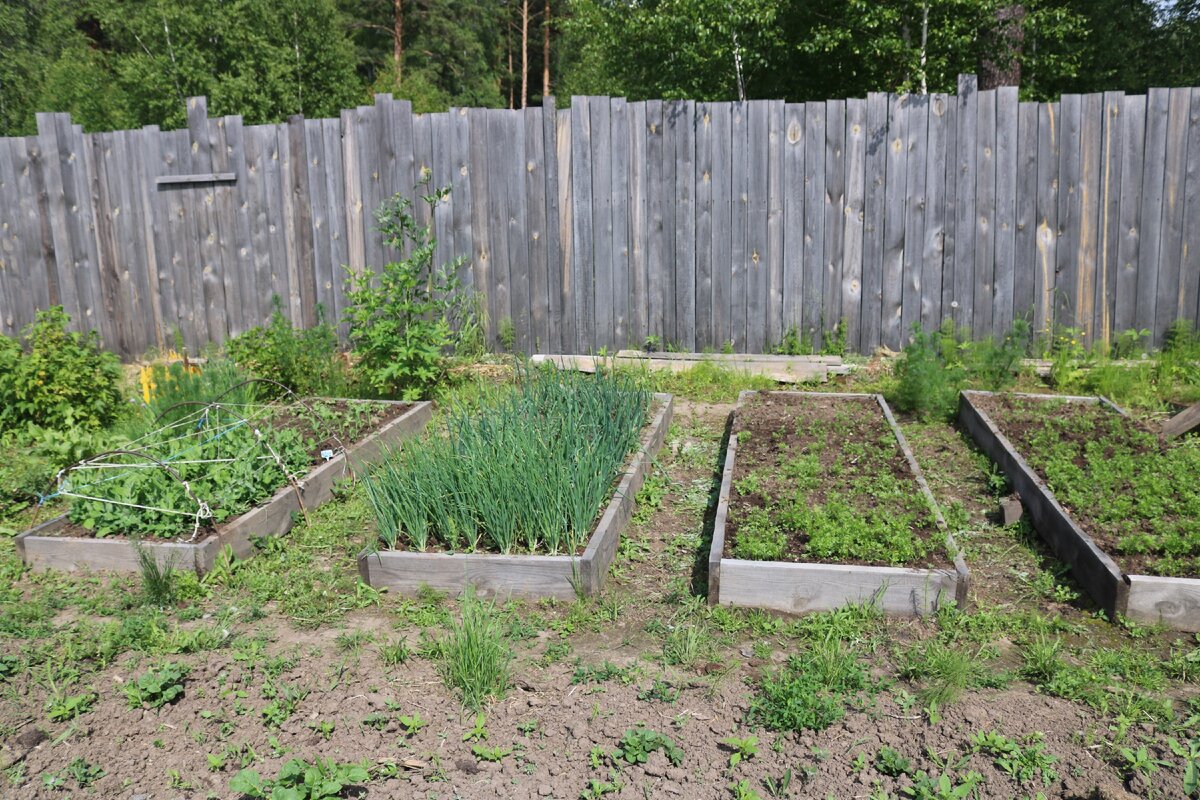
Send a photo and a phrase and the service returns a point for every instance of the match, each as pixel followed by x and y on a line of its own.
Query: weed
pixel 476 655
pixel 156 688
pixel 478 733
pixel 889 762
pixel 1139 761
pixel 744 749
pixel 485 753
pixel 412 723
pixel 660 691
pixel 1190 753
pixel 323 728
pixel 62 707
pixel 742 791
pixel 638 743
pixel 946 672
pixel 286 699
pixel 778 787
pixel 394 653
pixel 925 787
pixel 811 691
pixel 1021 763
pixel 301 780
pixel 160 583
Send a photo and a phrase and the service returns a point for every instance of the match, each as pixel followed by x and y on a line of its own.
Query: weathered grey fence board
pixel 852 252
pixel 914 213
pixel 1004 279
pixel 698 224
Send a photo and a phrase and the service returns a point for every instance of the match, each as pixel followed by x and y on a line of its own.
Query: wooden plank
pixel 1048 230
pixel 814 219
pixel 276 183
pixel 422 166
pixel 1108 229
pixel 287 202
pixel 566 281
pixel 1171 602
pixel 619 188
pixel 323 217
pixel 1189 261
pixel 1133 139
pixel 1090 133
pixel 477 120
pixel 892 290
pixel 552 215
pixel 13 266
pixel 1185 421
pixel 722 222
pixel 243 262
pixel 656 266
pixel 1168 305
pixel 96 156
pixel 985 215
pixel 835 218
pixel 211 269
pixel 1070 214
pixel 967 114
pixel 354 211
pixel 518 230
pixel 639 309
pixel 255 195
pixel 951 180
pixel 757 211
pixel 1092 568
pixel 600 112
pixel 82 215
pixel 685 226
pixel 1025 237
pixel 916 174
pixel 793 217
pixel 703 334
pixel 1004 277
pixel 335 221
pixel 190 180
pixel 582 258
pixel 173 225
pixel 933 248
pixel 460 190
pixel 498 210
pixel 1151 238
pixel 36 195
pixel 539 264
pixel 874 219
pixel 739 247
pixel 301 201
pixel 379 130
pixel 672 116
pixel 136 245
pixel 852 269
pixel 776 134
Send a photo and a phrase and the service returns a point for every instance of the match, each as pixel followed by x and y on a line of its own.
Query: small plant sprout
pixel 778 787
pixel 1190 753
pixel 1140 762
pixel 742 791
pixel 412 723
pixel 485 753
pixel 638 743
pixel 889 762
pixel 323 728
pixel 743 749
pixel 479 732
pixel 157 687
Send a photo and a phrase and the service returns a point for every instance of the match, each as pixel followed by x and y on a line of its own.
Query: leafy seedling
pixel 889 762
pixel 638 743
pixel 301 780
pixel 156 688
pixel 1191 765
pixel 743 749
pixel 485 753
pixel 413 723
pixel 742 791
pixel 479 732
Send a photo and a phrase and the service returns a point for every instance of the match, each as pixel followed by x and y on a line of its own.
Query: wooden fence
pixel 610 222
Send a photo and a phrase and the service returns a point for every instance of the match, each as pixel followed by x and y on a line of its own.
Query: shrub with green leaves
pixel 301 780
pixel 304 360
pixel 156 687
pixel 529 472
pixel 402 319
pixel 60 380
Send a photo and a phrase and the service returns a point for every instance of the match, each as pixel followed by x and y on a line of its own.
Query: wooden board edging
pixel 803 587
pixel 1173 602
pixel 525 575
pixel 273 518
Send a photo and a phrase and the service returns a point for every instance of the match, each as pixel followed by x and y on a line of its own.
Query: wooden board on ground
pixel 800 588
pixel 1185 421
pixel 783 369
pixel 492 574
pixel 1173 602
pixel 41 550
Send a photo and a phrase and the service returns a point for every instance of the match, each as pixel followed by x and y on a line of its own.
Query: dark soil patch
pixel 775 428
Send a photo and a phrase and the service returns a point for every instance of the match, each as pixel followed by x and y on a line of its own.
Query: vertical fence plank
pixel 460 189
pixel 335 234
pixel 685 226
pixel 1167 306
pixel 554 248
pixel 962 304
pixel 600 110
pixel 740 253
pixel 581 205
pixel 498 210
pixel 536 235
pixel 1129 225
pixel 723 201
pixel 1153 176
pixel 1090 132
pixel 12 265
pixel 916 198
pixel 619 183
pixel 757 188
pixel 672 119
pixel 852 268
pixel 1049 121
pixel 322 215
pixel 1025 238
pixel 517 223
pixel 1004 278
pixel 477 121
pixel 793 217
pixel 254 193
pixel 1069 213
pixel 835 219
pixel 933 245
pixel 891 334
pixel 1109 234
pixel 442 177
pixel 985 213
pixel 655 265
pixel 874 203
pixel 639 224
pixel 704 225
pixel 1189 259
pixel 566 281
pixel 775 201
pixel 814 218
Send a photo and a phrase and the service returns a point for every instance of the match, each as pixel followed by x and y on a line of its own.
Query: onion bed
pixel 528 473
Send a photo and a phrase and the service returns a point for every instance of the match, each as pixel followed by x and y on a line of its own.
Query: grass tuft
pixel 476 656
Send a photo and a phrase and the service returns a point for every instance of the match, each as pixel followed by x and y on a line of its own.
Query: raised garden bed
pixel 530 575
pixel 826 506
pixel 62 544
pixel 1122 513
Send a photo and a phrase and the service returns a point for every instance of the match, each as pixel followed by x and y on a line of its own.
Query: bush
pixel 305 361
pixel 62 380
pixel 402 318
